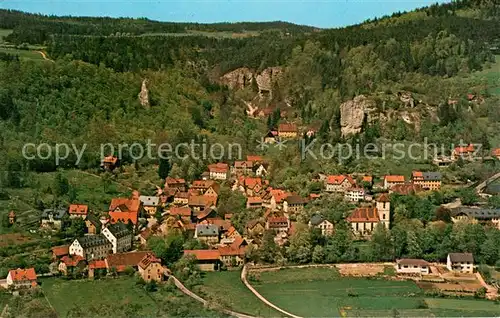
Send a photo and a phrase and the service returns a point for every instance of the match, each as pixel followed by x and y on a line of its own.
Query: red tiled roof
pixel 279 195
pixel 174 181
pixel 204 255
pixel 78 209
pixel 224 224
pixel 184 211
pixel 72 261
pixel 252 200
pixel 368 179
pixel 496 152
pixel 128 210
pixel 201 200
pixel 97 264
pixel 255 158
pixel 339 179
pixel 384 197
pixel 277 219
pixel 110 159
pixel 464 149
pixel 19 274
pixel 60 250
pixel 121 260
pixel 218 167
pixel 243 164
pixel 394 178
pixel 148 259
pixel 364 215
pixel 231 251
pixel 287 128
pixel 407 188
pixel 417 174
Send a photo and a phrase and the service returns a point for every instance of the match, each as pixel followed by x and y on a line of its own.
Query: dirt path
pixel 264 300
pixel 44 56
pixel 205 302
pixel 491 292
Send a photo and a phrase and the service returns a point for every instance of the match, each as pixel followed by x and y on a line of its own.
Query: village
pixel 116 242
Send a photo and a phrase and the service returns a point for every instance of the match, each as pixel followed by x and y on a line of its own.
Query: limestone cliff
pixel 353 114
pixel 242 77
pixel 144 94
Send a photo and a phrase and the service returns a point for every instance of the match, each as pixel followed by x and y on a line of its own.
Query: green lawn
pixel 226 289
pixel 24 54
pixel 4 32
pixel 320 292
pixel 90 295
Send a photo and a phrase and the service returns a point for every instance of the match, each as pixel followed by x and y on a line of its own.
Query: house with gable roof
pixel 150 268
pixel 392 180
pixel 21 278
pixel 125 210
pixel 460 262
pixel 294 204
pixel 427 180
pixel 339 183
pixel 150 203
pixel 218 171
pixel 78 211
pixel 91 247
pixel 319 222
pixel 208 233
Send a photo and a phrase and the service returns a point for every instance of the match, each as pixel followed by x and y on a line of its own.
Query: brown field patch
pixel 13 239
pixel 360 269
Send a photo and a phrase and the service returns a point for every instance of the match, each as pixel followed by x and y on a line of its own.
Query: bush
pixel 480 293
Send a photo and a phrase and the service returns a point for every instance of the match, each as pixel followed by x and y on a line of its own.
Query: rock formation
pixel 353 114
pixel 238 78
pixel 242 77
pixel 407 99
pixel 144 94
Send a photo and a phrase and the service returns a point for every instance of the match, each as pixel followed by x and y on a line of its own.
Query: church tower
pixel 383 206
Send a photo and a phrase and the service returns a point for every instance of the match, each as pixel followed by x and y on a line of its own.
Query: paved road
pixel 480 187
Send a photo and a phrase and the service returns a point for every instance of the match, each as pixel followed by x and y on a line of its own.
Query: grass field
pixel 226 289
pixel 321 292
pixel 4 32
pixel 64 295
pixel 491 76
pixel 23 54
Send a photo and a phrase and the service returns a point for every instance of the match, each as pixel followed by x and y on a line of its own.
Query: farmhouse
pixel 78 211
pixel 355 194
pixel 109 163
pixel 294 204
pixel 119 236
pixel 121 261
pixel 286 131
pixel 339 183
pixel 125 210
pixel 460 262
pixel 464 152
pixel 412 266
pixel 175 183
pixel 52 219
pixel 476 215
pixel 218 171
pixel 150 268
pixel 317 221
pixel 208 260
pixel 427 180
pixel 208 233
pixel 392 180
pixel 21 278
pixel 150 203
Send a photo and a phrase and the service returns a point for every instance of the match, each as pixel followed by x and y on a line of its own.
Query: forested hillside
pixel 87 91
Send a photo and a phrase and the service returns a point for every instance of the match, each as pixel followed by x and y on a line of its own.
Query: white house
pixel 326 227
pixel 412 266
pixel 22 278
pixel 260 169
pixel 218 171
pixel 355 194
pixel 91 247
pixel 339 183
pixel 119 236
pixel 460 262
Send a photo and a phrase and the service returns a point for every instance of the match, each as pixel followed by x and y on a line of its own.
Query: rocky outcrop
pixel 267 77
pixel 407 99
pixel 144 94
pixel 238 78
pixel 242 77
pixel 353 114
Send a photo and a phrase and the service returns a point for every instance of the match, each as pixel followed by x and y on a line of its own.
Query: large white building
pixel 119 236
pixel 91 247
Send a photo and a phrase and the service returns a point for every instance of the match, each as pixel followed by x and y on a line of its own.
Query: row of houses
pixel 455 262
